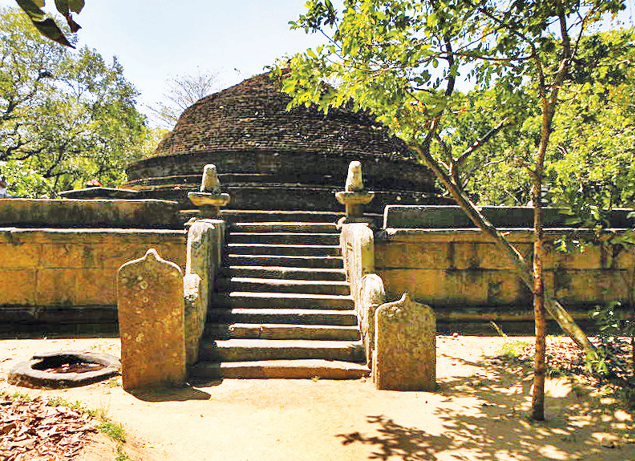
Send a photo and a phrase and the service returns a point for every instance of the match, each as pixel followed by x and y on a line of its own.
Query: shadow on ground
pixel 170 395
pixel 486 418
pixel 398 442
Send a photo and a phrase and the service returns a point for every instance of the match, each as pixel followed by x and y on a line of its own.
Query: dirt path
pixel 478 413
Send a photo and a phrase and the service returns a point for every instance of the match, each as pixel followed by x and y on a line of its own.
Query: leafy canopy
pixel 592 142
pixel 65 117
pixel 405 60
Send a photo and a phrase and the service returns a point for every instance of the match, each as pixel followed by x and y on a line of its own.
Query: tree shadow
pixel 180 394
pixel 581 424
pixel 484 416
pixel 396 441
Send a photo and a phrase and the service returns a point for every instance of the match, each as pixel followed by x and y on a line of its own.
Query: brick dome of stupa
pixel 256 145
pixel 252 116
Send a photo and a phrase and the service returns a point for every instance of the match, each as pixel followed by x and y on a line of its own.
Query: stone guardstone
pixel 151 326
pixel 405 346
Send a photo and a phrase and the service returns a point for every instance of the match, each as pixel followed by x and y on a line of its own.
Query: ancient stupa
pixel 271 158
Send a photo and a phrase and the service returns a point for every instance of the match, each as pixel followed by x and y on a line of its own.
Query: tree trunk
pixel 522 269
pixel 540 323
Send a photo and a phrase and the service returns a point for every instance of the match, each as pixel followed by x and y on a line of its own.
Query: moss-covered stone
pixel 405 346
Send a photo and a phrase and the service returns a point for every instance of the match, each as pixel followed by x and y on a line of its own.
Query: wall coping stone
pixel 76 213
pixel 453 217
pixel 514 235
pixel 100 193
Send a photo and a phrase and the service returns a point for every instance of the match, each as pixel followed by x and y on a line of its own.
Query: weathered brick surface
pixel 252 115
pixel 255 143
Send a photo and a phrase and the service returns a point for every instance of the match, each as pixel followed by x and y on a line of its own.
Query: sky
pixel 161 39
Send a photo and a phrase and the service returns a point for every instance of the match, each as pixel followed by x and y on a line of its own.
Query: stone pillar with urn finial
pixel 354 196
pixel 209 199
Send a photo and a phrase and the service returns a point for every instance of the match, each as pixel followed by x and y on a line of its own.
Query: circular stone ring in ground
pixel 64 369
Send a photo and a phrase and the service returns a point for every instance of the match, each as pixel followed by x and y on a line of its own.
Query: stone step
pixel 242 299
pixel 302 227
pixel 281 369
pixel 323 262
pixel 283 286
pixel 240 350
pixel 245 216
pixel 285 238
pixel 283 250
pixel 282 331
pixel 277 272
pixel 342 317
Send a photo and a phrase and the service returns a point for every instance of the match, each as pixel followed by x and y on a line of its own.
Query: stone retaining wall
pixel 66 270
pixel 463 267
pixel 437 256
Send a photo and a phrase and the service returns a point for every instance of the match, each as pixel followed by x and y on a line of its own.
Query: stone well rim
pixel 26 374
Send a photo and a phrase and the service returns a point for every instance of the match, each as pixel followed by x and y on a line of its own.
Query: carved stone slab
pixel 405 346
pixel 150 308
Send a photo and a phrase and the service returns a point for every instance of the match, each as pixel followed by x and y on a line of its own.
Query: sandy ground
pixel 478 413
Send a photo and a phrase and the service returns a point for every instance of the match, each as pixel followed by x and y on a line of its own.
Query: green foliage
pixel 62 402
pixel 592 143
pixel 113 430
pixel 21 396
pixel 46 25
pixel 405 60
pixel 65 117
pixel 616 351
pixel 513 350
pixel 402 61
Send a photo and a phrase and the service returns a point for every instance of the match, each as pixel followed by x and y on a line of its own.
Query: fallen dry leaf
pixel 31 431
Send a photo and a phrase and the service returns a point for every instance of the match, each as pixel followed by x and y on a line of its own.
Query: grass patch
pixel 513 350
pixel 62 402
pixel 113 430
pixel 21 396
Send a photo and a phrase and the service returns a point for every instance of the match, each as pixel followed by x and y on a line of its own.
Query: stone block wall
pixel 461 269
pixel 43 270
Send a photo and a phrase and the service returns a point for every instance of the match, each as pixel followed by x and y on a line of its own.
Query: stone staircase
pixel 282 307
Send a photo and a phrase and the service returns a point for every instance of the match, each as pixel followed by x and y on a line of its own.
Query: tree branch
pixel 482 141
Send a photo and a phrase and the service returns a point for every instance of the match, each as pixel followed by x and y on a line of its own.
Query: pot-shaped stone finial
pixel 354 196
pixel 354 180
pixel 210 182
pixel 209 199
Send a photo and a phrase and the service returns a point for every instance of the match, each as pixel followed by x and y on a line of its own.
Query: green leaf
pixel 49 29
pixel 62 7
pixel 32 9
pixel 46 26
pixel 76 6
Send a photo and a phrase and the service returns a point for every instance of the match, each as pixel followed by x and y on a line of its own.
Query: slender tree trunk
pixel 540 322
pixel 522 269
